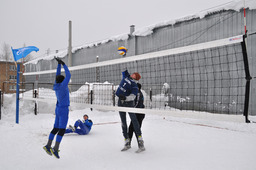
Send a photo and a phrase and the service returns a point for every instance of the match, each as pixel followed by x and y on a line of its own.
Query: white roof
pixel 233 5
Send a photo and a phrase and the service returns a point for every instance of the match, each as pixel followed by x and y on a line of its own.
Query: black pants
pixel 136 125
pixel 140 118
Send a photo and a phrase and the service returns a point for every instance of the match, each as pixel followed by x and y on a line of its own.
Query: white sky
pixel 44 23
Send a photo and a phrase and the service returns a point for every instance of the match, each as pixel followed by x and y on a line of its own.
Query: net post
pixel 91 98
pixel 114 97
pixel 150 97
pixel 35 96
pixel 248 79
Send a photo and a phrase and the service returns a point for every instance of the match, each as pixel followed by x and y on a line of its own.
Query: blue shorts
pixel 61 117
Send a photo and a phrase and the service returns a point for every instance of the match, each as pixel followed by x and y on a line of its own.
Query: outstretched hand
pixel 59 60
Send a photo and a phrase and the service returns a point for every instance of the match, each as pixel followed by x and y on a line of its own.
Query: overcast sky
pixel 44 23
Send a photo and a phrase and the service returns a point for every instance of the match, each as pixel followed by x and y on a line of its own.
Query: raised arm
pixel 58 70
pixel 68 75
pixel 125 74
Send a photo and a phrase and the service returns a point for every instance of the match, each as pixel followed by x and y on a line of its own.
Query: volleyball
pixel 122 51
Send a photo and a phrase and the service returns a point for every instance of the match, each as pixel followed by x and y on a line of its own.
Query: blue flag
pixel 23 52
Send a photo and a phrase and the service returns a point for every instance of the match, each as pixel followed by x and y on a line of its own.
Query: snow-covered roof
pixel 236 5
pixel 9 60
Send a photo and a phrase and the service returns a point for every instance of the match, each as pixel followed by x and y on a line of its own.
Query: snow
pixel 171 142
pixel 232 5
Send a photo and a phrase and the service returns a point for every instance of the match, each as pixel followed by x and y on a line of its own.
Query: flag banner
pixel 23 52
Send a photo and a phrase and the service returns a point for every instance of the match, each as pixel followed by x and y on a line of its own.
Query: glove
pixel 122 97
pixel 59 61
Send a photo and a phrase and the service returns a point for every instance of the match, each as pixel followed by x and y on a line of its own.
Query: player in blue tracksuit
pixel 82 127
pixel 62 109
pixel 126 93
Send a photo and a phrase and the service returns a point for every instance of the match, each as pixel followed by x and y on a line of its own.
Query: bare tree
pixel 6 52
pixel 6 55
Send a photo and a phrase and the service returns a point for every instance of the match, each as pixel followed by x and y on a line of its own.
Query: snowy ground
pixel 172 143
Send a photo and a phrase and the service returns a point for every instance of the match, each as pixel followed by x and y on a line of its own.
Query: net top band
pixel 173 51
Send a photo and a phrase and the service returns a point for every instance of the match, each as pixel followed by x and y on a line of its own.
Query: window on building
pixel 12 68
pixel 12 87
pixel 12 77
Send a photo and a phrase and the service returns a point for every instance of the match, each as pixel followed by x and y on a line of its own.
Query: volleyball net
pixel 211 77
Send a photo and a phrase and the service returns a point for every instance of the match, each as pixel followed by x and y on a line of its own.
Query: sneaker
pixel 140 144
pixel 72 128
pixel 47 150
pixel 55 153
pixel 127 144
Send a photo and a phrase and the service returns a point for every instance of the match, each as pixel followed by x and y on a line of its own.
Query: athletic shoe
pixel 72 128
pixel 47 150
pixel 55 153
pixel 127 144
pixel 141 143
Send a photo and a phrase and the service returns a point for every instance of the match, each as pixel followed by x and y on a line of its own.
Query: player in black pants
pixel 139 103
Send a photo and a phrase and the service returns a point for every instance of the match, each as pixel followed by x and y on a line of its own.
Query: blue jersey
pixel 127 87
pixel 85 123
pixel 82 127
pixel 61 89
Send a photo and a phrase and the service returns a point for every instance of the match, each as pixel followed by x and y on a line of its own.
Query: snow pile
pixel 9 105
pixel 81 95
pixel 103 94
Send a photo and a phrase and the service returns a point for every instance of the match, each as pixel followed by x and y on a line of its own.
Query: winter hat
pixel 136 76
pixel 86 115
pixel 59 78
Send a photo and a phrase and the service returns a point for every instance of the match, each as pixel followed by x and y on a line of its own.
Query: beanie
pixel 59 78
pixel 135 76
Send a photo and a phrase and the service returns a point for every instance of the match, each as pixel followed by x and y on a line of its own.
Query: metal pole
pixel 248 80
pixel 70 50
pixel 132 29
pixel 97 70
pixel 17 93
pixel 70 44
pixel 35 96
pixel 35 90
pixel 150 97
pixel 114 97
pixel 3 93
pixel 91 98
pixel 245 30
